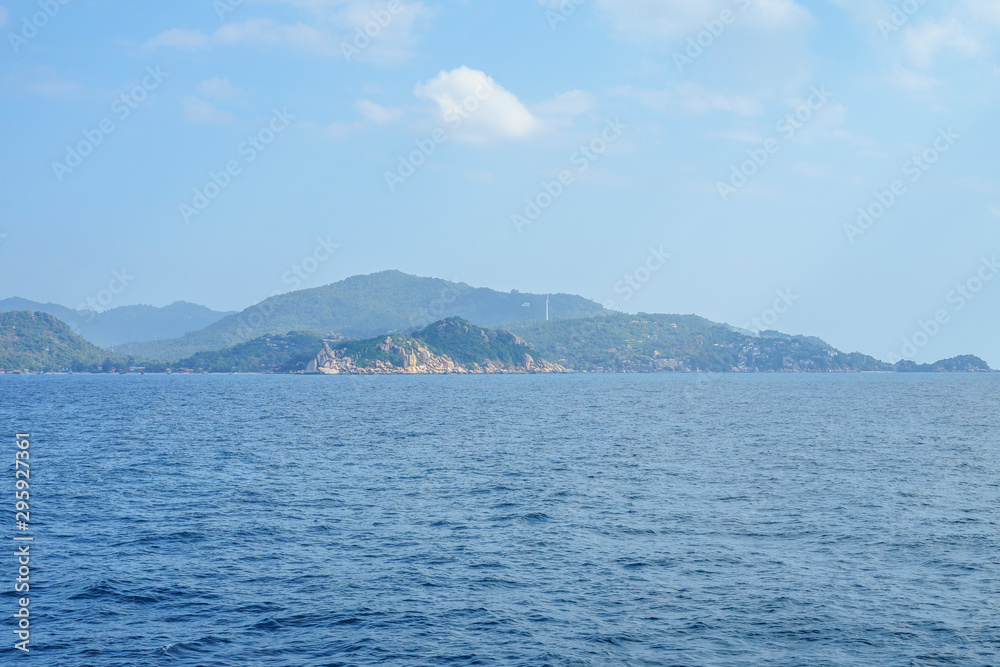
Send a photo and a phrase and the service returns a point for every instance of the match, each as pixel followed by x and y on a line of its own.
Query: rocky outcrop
pixel 402 355
pixel 324 358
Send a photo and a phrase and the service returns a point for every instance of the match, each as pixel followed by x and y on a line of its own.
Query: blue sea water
pixel 522 520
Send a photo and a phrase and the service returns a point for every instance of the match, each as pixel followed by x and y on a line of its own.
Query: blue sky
pixel 655 155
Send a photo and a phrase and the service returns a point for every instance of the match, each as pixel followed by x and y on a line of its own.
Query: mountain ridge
pixel 651 344
pixel 565 330
pixel 366 306
pixel 124 324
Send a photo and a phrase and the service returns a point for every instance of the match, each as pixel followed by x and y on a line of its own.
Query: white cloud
pixel 372 113
pixel 266 32
pixel 909 80
pixel 692 98
pixel 674 19
pixel 658 100
pixel 4 16
pixel 695 98
pixel 923 42
pixel 204 113
pixel 864 11
pixel 377 113
pixel 177 38
pixel 573 103
pixel 476 107
pixel 995 211
pixel 325 29
pixel 643 19
pixel 397 41
pixel 218 89
pixel 987 10
pixel 762 42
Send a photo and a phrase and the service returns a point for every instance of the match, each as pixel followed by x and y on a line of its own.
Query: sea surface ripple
pixel 518 520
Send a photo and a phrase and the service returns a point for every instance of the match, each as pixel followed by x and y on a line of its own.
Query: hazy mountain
pixel 145 323
pixel 126 323
pixel 367 306
pixel 580 335
pixel 62 313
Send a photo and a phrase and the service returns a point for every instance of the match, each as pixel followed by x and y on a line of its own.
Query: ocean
pixel 507 520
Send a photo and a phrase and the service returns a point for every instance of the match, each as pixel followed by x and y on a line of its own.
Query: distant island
pixel 38 342
pixel 392 323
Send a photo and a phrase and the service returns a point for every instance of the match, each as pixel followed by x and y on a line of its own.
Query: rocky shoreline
pixel 415 359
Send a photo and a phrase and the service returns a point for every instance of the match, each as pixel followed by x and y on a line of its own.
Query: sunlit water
pixel 532 520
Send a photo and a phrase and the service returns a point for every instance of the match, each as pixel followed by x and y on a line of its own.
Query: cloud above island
pixel 478 108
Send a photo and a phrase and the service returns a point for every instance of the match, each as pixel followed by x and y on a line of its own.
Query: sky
pixel 826 167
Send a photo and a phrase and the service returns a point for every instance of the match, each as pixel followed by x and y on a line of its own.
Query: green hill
pixel 368 306
pixel 452 345
pixel 618 343
pixel 453 340
pixel 267 354
pixel 465 343
pixel 670 343
pixel 39 342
